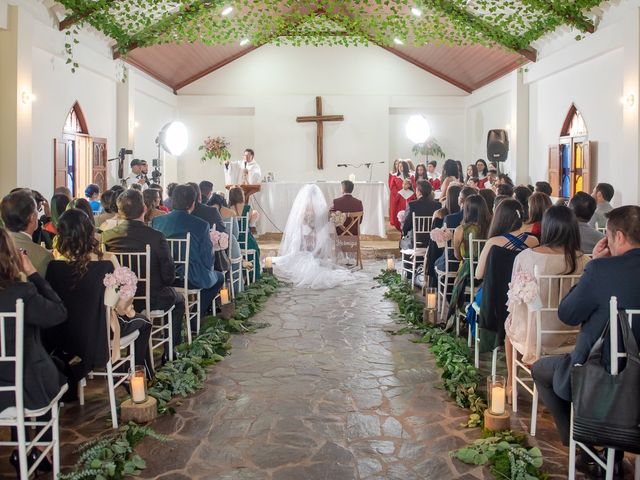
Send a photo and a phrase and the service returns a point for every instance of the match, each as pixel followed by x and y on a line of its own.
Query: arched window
pixel 75 122
pixel 570 160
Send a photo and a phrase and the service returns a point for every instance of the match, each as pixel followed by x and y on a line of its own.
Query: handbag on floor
pixel 606 410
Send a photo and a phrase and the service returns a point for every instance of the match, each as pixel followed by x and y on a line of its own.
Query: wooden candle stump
pixel 429 316
pixel 497 423
pixel 268 271
pixel 139 412
pixel 227 311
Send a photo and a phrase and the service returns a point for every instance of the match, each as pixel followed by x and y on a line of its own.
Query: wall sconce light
pixel 27 97
pixel 629 100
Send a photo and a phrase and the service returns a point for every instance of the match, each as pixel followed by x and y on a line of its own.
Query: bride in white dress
pixel 306 257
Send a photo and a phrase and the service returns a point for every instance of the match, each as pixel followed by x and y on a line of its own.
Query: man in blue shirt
pixel 177 224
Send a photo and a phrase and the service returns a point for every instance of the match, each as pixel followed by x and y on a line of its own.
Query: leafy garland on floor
pixel 112 456
pixel 505 452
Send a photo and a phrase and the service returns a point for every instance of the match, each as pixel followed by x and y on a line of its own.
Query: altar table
pixel 274 202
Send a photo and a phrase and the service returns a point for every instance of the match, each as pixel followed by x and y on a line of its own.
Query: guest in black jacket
pixel 616 263
pixel 132 235
pixel 211 215
pixel 424 206
pixel 209 197
pixel 42 309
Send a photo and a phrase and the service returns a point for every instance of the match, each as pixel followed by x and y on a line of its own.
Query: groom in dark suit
pixel 347 203
pixel 616 263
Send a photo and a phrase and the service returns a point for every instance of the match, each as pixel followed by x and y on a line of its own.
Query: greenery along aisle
pixel 112 456
pixel 505 452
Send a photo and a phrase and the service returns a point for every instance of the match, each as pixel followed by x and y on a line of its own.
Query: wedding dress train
pixel 306 257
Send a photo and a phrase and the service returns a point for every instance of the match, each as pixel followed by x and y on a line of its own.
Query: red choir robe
pixel 402 202
pixel 395 185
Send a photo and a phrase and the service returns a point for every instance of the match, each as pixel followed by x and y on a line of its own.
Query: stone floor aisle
pixel 323 393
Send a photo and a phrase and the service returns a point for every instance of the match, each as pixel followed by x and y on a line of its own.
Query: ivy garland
pixel 513 24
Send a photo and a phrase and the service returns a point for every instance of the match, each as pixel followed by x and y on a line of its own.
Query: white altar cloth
pixel 274 202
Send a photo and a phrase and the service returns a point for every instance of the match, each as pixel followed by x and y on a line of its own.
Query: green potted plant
pixel 428 148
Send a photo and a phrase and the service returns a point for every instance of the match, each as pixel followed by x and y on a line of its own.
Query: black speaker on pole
pixel 497 145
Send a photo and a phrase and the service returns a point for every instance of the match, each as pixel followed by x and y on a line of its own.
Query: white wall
pixel 254 102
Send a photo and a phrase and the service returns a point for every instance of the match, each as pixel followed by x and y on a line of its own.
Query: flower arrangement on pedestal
pixel 430 148
pixel 217 147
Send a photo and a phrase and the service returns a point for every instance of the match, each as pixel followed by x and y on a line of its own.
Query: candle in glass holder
pixel 268 263
pixel 391 264
pixel 431 298
pixel 224 296
pixel 497 400
pixel 138 384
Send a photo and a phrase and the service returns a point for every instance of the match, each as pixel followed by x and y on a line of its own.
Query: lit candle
pixel 391 264
pixel 352 177
pixel 431 299
pixel 268 263
pixel 224 296
pixel 137 389
pixel 497 400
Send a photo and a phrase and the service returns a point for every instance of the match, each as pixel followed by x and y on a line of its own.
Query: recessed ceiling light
pixel 244 41
pixel 397 41
pixel 226 11
pixel 416 11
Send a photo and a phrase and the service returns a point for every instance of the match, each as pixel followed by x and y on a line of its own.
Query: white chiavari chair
pixel 475 249
pixel 161 320
pixel 446 278
pixel 608 466
pixel 235 270
pixel 113 369
pixel 553 289
pixel 248 255
pixel 411 256
pixel 18 416
pixel 179 248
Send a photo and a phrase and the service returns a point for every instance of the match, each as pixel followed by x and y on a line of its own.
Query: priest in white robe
pixel 243 172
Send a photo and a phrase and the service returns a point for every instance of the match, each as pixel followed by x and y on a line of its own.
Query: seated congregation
pixel 550 281
pixel 58 263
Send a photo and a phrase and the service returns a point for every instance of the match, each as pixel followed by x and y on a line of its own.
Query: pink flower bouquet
pixel 523 289
pixel 441 236
pixel 220 240
pixel 123 281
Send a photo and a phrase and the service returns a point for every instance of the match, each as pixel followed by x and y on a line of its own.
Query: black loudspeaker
pixel 497 145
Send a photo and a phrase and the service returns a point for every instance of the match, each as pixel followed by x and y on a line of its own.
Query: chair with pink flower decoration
pixel 542 322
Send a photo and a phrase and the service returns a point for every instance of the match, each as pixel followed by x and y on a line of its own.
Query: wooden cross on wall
pixel 319 119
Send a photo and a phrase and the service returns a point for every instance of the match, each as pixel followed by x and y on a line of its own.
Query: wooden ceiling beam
pixel 78 17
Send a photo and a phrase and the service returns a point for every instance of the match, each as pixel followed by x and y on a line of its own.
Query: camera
pixel 155 175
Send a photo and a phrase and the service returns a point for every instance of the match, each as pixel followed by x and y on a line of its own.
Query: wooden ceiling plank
pixel 427 68
pixel 213 68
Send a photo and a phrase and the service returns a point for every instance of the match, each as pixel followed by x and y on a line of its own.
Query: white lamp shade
pixel 176 138
pixel 418 130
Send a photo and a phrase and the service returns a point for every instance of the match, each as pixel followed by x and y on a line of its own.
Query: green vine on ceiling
pixel 510 24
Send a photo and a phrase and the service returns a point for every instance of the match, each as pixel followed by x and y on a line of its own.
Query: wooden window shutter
pixel 99 163
pixel 59 163
pixel 554 170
